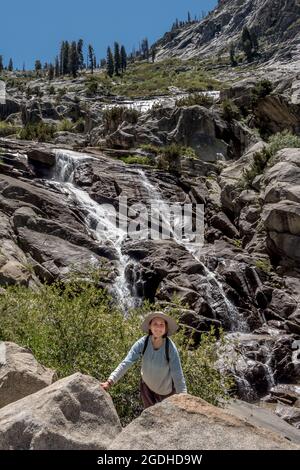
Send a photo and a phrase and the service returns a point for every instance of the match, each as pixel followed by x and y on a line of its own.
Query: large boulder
pixel 282 223
pixel 20 373
pixel 14 267
pixel 74 413
pixel 231 176
pixel 196 127
pixel 282 179
pixel 264 417
pixel 41 155
pixel 275 113
pixel 186 422
pixel 11 106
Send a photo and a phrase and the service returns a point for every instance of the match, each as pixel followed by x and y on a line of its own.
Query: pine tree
pixel 80 54
pixel 73 59
pixel 145 49
pixel 189 18
pixel 51 72
pixel 233 61
pixel 153 54
pixel 10 65
pixel 61 58
pixel 117 58
pixel 247 44
pixel 95 62
pixel 254 43
pixel 110 63
pixel 64 58
pixel 1 63
pixel 91 57
pixel 57 68
pixel 123 59
pixel 23 69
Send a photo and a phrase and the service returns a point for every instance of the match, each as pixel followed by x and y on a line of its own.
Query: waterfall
pixel 99 219
pixel 236 320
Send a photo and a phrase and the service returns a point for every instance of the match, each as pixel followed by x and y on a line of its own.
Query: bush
pixel 281 140
pixel 41 132
pixel 65 125
pixel 230 110
pixel 264 265
pixel 7 129
pixel 195 99
pixel 150 148
pixel 260 160
pixel 171 156
pixel 262 88
pixel 92 88
pixel 137 159
pixel 266 157
pixel 76 328
pixel 114 116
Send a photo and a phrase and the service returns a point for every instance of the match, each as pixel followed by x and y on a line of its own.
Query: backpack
pixel 166 347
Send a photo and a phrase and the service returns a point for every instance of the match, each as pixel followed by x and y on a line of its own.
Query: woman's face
pixel 158 327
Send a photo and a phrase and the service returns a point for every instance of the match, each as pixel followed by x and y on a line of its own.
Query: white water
pixel 142 106
pixel 99 219
pixel 235 318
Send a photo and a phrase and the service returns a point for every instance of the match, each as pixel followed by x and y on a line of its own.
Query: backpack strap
pixel 145 344
pixel 166 347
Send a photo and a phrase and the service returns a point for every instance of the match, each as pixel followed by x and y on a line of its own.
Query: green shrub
pixel 238 243
pixel 137 159
pixel 230 110
pixel 281 140
pixel 260 160
pixel 266 157
pixel 92 88
pixel 264 265
pixel 7 129
pixel 42 132
pixel 171 156
pixel 76 328
pixel 195 99
pixel 150 148
pixel 114 116
pixel 65 125
pixel 262 88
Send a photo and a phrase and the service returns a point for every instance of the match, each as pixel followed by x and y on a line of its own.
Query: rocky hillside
pixel 274 22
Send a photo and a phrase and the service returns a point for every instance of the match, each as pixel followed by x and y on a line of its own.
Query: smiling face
pixel 158 327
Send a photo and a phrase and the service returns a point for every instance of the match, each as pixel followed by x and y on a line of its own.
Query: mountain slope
pixel 275 22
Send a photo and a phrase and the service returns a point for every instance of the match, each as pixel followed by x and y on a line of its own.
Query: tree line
pixel 9 67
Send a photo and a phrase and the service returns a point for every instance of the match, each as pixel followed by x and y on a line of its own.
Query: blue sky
pixel 33 29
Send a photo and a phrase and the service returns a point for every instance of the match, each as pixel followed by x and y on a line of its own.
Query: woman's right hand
pixel 106 385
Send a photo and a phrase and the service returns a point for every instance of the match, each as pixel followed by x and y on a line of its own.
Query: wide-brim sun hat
pixel 172 325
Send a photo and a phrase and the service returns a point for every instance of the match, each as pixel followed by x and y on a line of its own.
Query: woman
pixel 161 372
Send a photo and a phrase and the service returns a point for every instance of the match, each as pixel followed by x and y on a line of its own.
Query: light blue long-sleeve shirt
pixel 156 372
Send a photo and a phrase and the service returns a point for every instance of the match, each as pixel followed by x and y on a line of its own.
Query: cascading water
pixel 99 219
pixel 236 321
